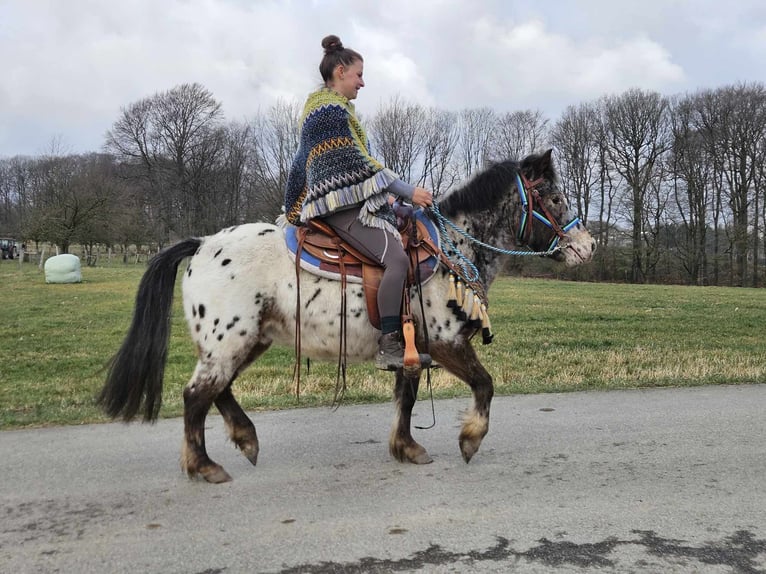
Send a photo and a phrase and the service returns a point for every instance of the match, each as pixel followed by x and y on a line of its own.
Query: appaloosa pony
pixel 239 297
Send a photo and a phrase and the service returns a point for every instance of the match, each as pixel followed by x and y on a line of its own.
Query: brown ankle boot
pixel 390 355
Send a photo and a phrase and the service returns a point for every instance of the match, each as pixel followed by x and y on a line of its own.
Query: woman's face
pixel 348 79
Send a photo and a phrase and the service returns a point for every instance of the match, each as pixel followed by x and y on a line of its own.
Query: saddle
pixel 333 256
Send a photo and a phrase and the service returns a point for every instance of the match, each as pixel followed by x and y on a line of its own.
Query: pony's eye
pixel 556 200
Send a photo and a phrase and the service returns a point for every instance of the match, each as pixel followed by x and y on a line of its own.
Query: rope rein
pixel 461 260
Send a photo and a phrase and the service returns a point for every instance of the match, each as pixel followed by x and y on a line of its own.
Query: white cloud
pixel 637 62
pixel 68 67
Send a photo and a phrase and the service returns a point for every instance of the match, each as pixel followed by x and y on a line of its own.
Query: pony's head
pixel 546 219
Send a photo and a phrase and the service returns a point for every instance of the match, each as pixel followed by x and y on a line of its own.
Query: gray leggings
pixel 379 245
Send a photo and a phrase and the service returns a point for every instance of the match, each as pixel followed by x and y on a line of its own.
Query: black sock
pixel 390 324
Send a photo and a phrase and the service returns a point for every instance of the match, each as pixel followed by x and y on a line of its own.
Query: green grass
pixel 550 336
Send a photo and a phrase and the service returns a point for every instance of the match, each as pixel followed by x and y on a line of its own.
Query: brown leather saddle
pixel 321 241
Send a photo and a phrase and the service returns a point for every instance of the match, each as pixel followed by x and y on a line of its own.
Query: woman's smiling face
pixel 347 80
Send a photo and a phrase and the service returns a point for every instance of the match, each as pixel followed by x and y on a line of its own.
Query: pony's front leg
pixel 401 444
pixel 460 359
pixel 198 398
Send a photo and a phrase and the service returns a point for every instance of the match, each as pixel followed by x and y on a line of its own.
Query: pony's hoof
pixel 417 455
pixel 422 458
pixel 468 448
pixel 215 475
pixel 251 453
pixel 409 452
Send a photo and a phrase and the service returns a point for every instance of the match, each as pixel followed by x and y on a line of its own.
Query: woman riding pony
pixel 334 177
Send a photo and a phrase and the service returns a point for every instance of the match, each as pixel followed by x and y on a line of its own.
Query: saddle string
pixel 297 365
pixel 419 287
pixel 340 376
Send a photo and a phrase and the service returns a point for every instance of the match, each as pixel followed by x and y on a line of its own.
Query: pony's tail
pixel 135 372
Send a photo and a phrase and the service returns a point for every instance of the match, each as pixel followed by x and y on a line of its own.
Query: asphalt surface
pixel 665 480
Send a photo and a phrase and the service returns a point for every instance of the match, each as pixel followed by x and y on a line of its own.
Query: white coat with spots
pixel 240 294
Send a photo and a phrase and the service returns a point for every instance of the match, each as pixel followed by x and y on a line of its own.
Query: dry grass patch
pixel 550 336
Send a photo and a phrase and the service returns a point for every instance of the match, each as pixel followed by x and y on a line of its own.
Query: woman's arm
pixel 417 195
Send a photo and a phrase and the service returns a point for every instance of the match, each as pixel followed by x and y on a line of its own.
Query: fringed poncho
pixel 333 168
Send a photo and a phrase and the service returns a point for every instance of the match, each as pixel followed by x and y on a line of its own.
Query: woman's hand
pixel 422 197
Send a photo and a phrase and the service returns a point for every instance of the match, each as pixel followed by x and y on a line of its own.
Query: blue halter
pixel 527 193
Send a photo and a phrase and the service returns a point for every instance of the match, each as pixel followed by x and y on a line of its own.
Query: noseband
pixel 529 197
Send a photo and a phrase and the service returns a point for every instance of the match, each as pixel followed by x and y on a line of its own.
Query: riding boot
pixel 390 355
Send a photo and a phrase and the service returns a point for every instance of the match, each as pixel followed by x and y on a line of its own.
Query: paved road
pixel 634 481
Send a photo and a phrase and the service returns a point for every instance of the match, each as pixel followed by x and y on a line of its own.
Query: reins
pixel 529 195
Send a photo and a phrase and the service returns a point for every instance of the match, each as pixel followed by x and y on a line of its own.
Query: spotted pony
pixel 239 298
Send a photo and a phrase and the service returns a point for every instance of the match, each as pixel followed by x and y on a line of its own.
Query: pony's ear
pixel 545 160
pixel 536 166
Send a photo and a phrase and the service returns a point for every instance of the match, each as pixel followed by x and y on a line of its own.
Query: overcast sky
pixel 69 66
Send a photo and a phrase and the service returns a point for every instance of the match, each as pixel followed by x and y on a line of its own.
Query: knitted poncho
pixel 333 168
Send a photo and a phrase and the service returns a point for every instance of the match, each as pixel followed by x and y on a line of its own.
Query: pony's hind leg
pixel 461 360
pixel 240 428
pixel 199 394
pixel 401 445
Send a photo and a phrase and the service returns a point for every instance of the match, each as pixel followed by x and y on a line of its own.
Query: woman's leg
pixel 382 246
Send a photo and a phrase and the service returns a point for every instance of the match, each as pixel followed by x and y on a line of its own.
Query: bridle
pixel 529 197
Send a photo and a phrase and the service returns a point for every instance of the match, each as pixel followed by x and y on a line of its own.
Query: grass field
pixel 550 336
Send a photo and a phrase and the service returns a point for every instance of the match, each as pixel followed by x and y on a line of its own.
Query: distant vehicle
pixel 9 248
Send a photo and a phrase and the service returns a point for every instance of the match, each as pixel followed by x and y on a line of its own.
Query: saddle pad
pixel 314 265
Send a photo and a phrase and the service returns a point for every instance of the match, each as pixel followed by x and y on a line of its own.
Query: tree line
pixel 671 187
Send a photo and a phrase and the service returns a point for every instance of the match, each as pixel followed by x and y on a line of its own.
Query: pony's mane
pixel 489 187
pixel 484 190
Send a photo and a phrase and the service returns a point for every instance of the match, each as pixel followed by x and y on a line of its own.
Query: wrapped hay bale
pixel 63 269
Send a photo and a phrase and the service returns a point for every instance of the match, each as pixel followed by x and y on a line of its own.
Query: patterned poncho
pixel 333 168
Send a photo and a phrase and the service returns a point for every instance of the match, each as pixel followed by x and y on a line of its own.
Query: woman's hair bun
pixel 331 44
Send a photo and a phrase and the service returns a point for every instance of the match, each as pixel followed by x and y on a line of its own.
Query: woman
pixel 334 177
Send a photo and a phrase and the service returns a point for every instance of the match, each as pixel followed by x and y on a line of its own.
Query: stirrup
pixel 413 361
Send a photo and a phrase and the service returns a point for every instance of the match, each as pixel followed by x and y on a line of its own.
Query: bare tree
pixel 396 135
pixel 440 142
pixel 732 121
pixel 170 141
pixel 236 156
pixel 520 133
pixel 72 198
pixel 576 136
pixel 692 167
pixel 742 131
pixel 275 138
pixel 476 127
pixel 637 138
pixel 15 179
pixel 760 186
